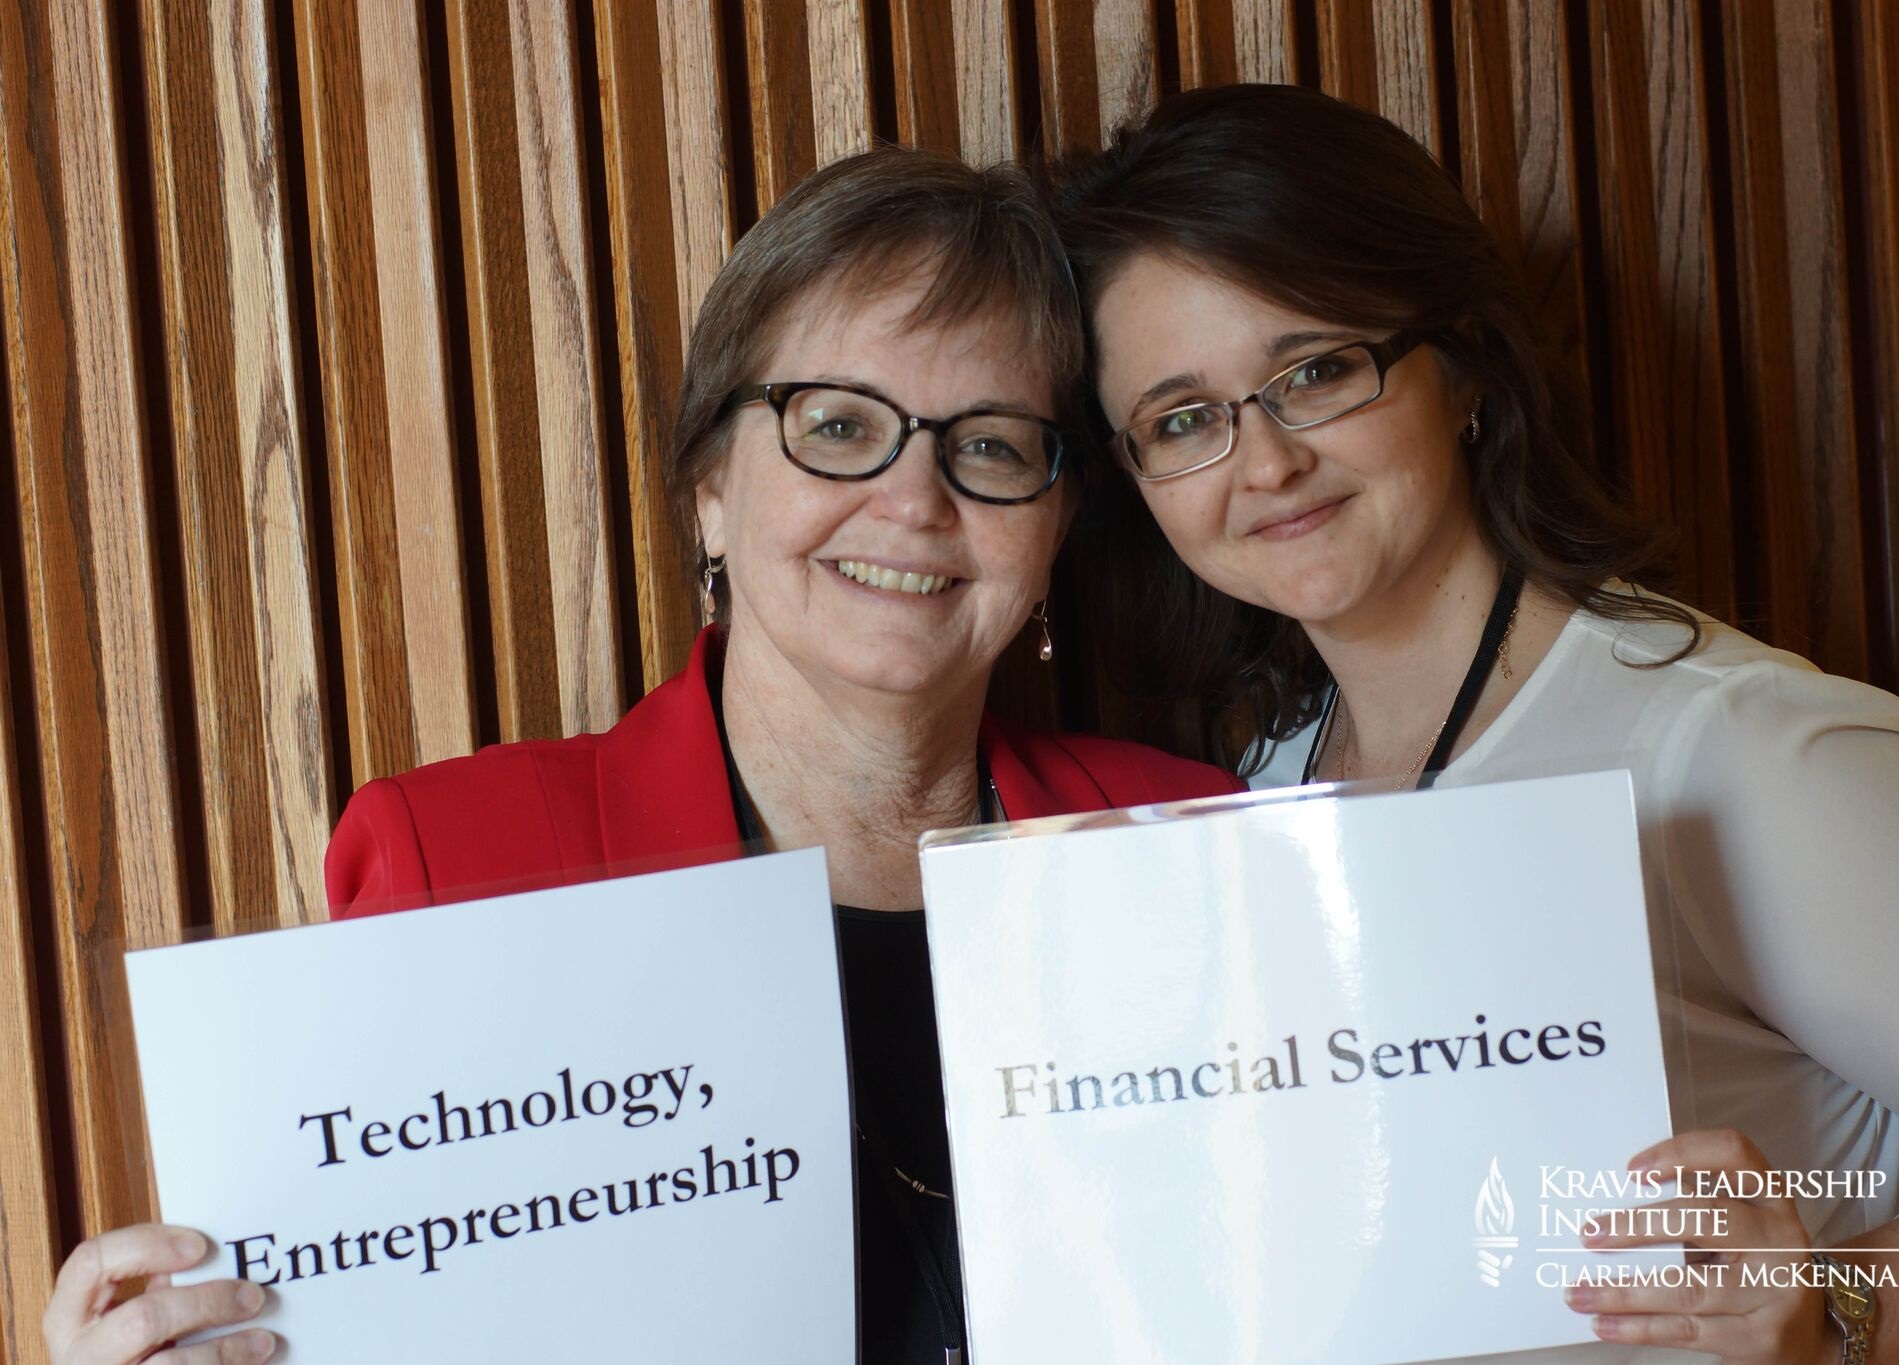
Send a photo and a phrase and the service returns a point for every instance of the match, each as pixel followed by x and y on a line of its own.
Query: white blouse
pixel 1767 795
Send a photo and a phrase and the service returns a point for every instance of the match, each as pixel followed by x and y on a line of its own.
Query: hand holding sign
pixel 1761 1319
pixel 84 1327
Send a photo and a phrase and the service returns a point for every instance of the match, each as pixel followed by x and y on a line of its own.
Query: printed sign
pixel 608 1121
pixel 1291 1081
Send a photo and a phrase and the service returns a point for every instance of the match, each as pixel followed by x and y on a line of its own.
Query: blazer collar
pixel 665 800
pixel 1035 775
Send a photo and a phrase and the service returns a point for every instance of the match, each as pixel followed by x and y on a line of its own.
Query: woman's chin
pixel 919 669
pixel 1310 599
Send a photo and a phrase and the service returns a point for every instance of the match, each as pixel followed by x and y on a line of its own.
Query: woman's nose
pixel 1269 457
pixel 913 490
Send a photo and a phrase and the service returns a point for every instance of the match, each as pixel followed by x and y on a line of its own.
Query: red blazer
pixel 652 792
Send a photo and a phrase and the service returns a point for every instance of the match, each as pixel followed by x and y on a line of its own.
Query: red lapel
pixel 663 788
pixel 661 776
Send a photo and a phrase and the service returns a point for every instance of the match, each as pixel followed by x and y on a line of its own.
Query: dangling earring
pixel 1473 429
pixel 1048 645
pixel 709 603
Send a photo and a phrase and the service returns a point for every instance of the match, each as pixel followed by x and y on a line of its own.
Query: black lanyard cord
pixel 1502 610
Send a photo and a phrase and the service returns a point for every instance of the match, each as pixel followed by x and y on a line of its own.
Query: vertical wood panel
pixel 1685 329
pixel 1348 51
pixel 781 74
pixel 1071 104
pixel 1127 60
pixel 29 1226
pixel 1796 381
pixel 1544 116
pixel 1407 69
pixel 1205 30
pixel 985 80
pixel 699 152
pixel 839 45
pixel 1264 41
pixel 1877 41
pixel 1222 41
pixel 1486 120
pixel 566 366
pixel 1640 384
pixel 923 50
pixel 92 605
pixel 1381 54
pixel 408 297
pixel 507 397
pixel 640 224
pixel 370 606
pixel 241 470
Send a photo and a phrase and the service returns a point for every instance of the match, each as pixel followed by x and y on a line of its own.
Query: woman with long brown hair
pixel 1361 529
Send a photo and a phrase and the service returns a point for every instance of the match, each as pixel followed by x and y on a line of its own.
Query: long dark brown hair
pixel 1331 211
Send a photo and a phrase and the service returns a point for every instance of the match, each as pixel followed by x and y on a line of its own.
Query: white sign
pixel 1291 1081
pixel 607 1121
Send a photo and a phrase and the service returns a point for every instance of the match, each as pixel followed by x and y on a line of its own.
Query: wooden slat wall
pixel 107 834
pixel 340 337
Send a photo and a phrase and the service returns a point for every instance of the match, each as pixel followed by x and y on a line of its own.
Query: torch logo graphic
pixel 1496 1221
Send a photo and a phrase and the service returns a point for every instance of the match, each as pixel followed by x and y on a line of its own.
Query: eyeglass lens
pixel 1321 388
pixel 849 435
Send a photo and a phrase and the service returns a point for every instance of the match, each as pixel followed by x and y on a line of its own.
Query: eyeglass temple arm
pixel 738 398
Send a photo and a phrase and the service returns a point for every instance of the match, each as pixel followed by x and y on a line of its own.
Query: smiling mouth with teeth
pixel 893 580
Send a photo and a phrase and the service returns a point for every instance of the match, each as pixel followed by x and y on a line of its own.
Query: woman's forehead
pixel 879 333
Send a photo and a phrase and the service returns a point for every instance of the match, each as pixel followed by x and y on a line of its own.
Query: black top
pixel 909 1270
pixel 897 1089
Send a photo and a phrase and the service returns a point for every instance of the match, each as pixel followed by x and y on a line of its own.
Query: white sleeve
pixel 1785 863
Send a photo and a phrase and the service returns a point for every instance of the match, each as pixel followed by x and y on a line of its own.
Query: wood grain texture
pixel 1127 62
pixel 985 80
pixel 923 52
pixel 1796 383
pixel 507 396
pixel 1205 31
pixel 1381 54
pixel 1407 69
pixel 1486 117
pixel 567 367
pixel 1681 323
pixel 93 626
pixel 698 151
pixel 1877 43
pixel 413 342
pixel 1548 232
pixel 838 42
pixel 1265 44
pixel 779 67
pixel 1065 49
pixel 640 220
pixel 28 291
pixel 1640 381
pixel 1348 50
pixel 348 325
pixel 29 1214
pixel 241 467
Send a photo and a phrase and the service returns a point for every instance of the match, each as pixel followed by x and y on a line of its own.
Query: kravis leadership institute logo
pixel 1496 1225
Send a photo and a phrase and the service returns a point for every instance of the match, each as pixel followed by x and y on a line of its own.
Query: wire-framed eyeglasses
pixel 1316 389
pixel 840 431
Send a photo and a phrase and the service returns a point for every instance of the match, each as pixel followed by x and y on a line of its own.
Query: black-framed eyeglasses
pixel 1316 389
pixel 840 431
